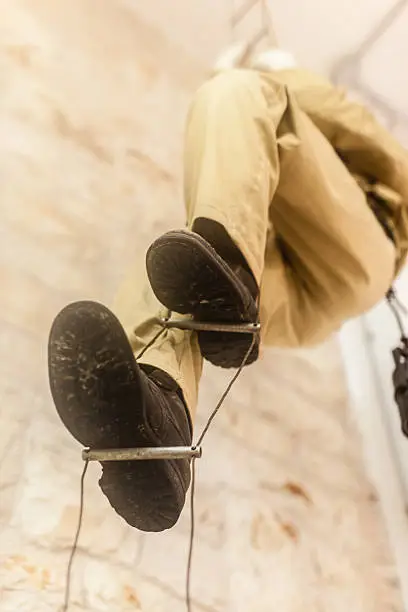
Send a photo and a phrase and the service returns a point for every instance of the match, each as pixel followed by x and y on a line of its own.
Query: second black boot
pixel 188 276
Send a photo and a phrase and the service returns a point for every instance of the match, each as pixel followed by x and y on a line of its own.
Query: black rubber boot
pixel 189 277
pixel 106 400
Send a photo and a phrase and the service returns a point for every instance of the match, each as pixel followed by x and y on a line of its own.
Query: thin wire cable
pixel 227 390
pixel 192 488
pixel 152 341
pixel 191 542
pixel 193 473
pixel 76 539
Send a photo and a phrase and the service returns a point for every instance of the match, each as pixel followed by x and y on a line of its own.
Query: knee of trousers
pixel 311 319
pixel 355 295
pixel 352 291
pixel 297 324
pixel 364 290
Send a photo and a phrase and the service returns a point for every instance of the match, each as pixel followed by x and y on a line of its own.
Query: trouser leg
pixel 176 351
pixel 327 258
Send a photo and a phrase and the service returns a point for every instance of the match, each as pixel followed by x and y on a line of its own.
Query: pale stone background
pixel 93 96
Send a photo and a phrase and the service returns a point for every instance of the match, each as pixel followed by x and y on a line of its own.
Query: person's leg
pixel 237 123
pixel 231 160
pixel 103 396
pixel 327 258
pixel 175 352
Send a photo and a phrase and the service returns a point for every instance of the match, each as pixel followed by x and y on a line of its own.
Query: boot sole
pixel 98 392
pixel 189 277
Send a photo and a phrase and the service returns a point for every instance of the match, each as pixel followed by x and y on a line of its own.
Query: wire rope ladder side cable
pixel 194 452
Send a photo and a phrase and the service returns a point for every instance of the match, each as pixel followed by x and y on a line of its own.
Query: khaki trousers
pixel 255 163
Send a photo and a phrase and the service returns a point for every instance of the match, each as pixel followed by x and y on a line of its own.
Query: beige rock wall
pixel 92 105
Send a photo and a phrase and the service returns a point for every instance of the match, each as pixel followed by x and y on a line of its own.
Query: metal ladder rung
pixel 142 454
pixel 190 325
